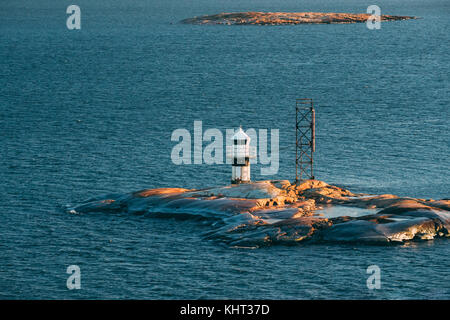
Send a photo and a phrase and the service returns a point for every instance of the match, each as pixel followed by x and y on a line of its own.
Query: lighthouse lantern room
pixel 240 157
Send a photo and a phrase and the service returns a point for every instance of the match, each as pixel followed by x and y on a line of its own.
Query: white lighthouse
pixel 240 157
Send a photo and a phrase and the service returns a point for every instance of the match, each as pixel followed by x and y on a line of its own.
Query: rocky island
pixel 286 18
pixel 273 212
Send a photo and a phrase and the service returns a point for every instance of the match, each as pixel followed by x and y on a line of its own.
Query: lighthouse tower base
pixel 240 174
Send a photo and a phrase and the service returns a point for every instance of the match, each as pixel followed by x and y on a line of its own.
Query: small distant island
pixel 286 18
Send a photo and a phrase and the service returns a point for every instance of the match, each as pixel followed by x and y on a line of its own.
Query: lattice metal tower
pixel 305 139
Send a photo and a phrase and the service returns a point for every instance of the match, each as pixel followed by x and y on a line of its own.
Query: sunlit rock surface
pixel 283 18
pixel 277 212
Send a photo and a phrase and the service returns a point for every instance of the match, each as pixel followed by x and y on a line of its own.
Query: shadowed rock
pixel 284 18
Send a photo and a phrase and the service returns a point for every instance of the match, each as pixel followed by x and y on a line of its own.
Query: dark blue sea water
pixel 89 112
